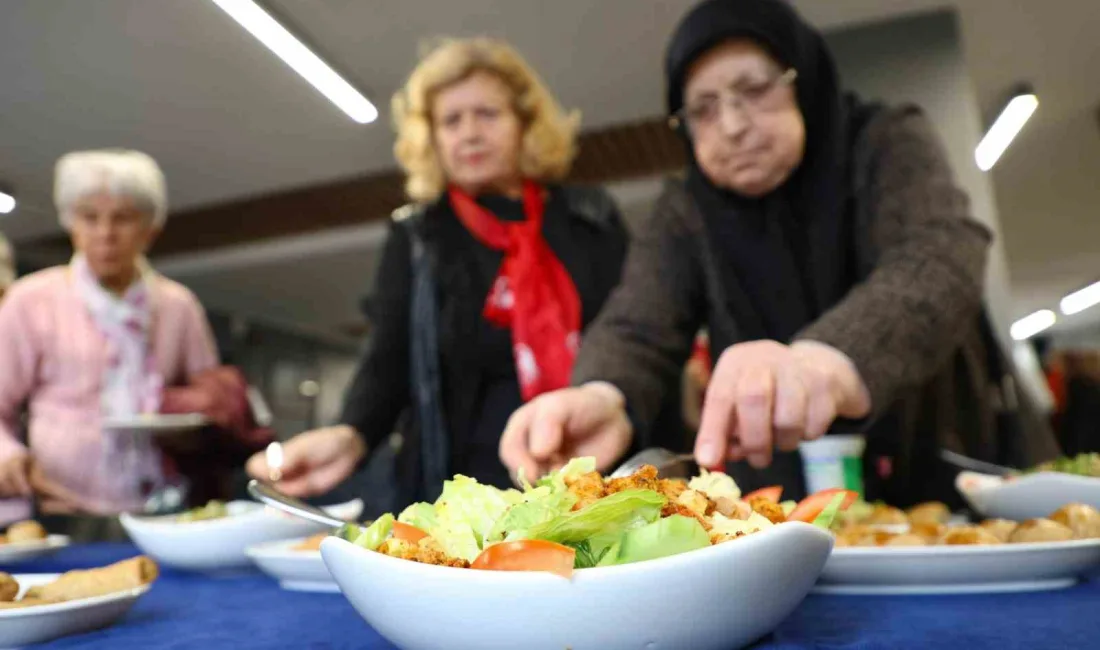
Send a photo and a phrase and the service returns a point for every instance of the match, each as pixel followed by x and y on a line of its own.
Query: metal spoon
pixel 663 459
pixel 975 465
pixel 268 495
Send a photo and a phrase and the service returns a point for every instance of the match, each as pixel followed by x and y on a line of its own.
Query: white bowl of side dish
pixel 719 597
pixel 211 545
pixel 1026 497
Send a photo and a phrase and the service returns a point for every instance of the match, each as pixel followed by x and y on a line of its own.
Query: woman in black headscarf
pixel 830 254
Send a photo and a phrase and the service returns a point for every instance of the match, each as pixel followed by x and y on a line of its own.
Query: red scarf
pixel 533 293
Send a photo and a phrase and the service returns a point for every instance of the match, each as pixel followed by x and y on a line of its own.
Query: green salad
pixel 212 510
pixel 1080 465
pixel 575 519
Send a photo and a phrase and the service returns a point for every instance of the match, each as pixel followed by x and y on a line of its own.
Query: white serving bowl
pixel 295 570
pixel 1026 497
pixel 719 598
pixel 219 544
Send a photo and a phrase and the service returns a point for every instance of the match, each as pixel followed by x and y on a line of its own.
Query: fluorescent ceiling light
pixel 294 53
pixel 7 203
pixel 1032 324
pixel 1004 130
pixel 1079 301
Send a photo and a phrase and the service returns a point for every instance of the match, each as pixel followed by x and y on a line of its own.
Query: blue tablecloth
pixel 249 611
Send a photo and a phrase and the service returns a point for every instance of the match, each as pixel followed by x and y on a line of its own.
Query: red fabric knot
pixel 533 293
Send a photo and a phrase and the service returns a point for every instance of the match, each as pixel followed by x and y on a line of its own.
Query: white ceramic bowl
pixel 1026 497
pixel 959 569
pixel 295 570
pixel 20 552
pixel 219 544
pixel 719 598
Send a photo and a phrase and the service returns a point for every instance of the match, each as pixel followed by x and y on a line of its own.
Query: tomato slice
pixel 771 493
pixel 527 555
pixel 407 532
pixel 809 508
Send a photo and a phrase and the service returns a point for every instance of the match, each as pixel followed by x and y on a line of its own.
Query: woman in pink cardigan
pixel 100 337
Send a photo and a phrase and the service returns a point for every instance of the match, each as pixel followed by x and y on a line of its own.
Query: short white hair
pixel 119 172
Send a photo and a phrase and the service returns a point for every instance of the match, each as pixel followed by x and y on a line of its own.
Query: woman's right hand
pixel 314 462
pixel 15 477
pixel 549 430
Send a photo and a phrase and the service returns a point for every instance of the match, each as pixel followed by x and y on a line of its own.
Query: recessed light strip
pixel 1081 300
pixel 1004 130
pixel 1032 324
pixel 294 53
pixel 7 203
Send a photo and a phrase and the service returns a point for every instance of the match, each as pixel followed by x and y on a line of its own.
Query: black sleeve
pixel 380 390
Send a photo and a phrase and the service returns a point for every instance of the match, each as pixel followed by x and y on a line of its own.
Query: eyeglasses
pixel 752 98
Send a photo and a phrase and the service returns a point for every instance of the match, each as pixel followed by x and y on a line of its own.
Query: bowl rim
pixel 962 550
pixel 738 546
pixel 254 511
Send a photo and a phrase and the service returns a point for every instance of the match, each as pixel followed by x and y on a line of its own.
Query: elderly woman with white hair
pixel 100 337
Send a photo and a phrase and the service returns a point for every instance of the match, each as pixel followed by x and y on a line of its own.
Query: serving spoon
pixel 268 495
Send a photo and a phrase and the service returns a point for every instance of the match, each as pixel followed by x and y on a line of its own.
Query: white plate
pixel 295 570
pixel 1026 497
pixel 156 424
pixel 219 544
pixel 24 626
pixel 958 569
pixel 717 598
pixel 24 551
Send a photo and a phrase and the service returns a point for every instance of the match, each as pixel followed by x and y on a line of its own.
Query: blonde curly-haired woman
pixel 485 284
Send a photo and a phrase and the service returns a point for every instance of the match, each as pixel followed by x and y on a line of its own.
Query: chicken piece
pixel 671 487
pixel 1083 520
pixel 587 488
pixel 1002 529
pixel 1040 530
pixel 672 508
pixel 884 515
pixel 643 479
pixel 967 535
pixel 932 512
pixel 696 501
pixel 426 551
pixel 862 535
pixel 732 508
pixel 907 539
pixel 718 538
pixel 930 531
pixel 770 510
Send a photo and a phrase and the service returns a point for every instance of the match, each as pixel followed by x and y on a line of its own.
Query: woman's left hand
pixel 52 498
pixel 764 394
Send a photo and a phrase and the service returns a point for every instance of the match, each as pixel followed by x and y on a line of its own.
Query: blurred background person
pixel 827 248
pixel 483 289
pixel 7 265
pixel 102 337
pixel 1078 422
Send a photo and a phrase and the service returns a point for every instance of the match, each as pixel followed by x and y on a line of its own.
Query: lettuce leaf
pixel 372 536
pixel 421 515
pixel 825 519
pixel 606 518
pixel 669 536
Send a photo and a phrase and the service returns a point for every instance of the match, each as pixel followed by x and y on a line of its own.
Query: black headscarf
pixel 784 258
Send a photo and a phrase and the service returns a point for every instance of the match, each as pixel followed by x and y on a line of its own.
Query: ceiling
pixel 228 120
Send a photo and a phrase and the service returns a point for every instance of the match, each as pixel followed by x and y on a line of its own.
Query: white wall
pixel 920 60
